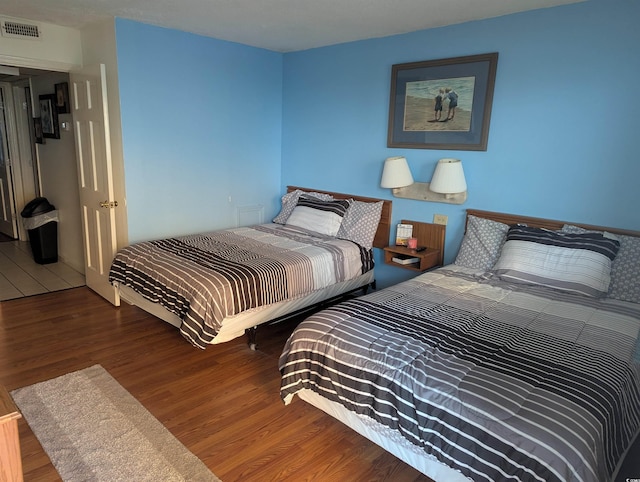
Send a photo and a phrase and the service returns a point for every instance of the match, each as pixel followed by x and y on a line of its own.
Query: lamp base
pixel 420 191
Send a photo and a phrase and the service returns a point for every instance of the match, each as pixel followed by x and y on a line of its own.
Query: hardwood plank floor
pixel 21 276
pixel 222 403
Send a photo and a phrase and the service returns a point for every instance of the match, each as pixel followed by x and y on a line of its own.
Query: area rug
pixel 93 429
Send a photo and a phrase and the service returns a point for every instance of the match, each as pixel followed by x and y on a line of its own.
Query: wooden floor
pixel 21 276
pixel 222 403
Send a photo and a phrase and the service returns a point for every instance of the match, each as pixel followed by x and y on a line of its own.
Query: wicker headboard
pixel 543 223
pixel 384 227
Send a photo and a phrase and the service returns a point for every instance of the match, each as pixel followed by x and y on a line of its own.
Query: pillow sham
pixel 290 200
pixel 360 223
pixel 578 263
pixel 324 217
pixel 481 243
pixel 625 269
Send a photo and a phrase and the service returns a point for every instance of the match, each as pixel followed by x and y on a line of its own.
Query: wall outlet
pixel 440 219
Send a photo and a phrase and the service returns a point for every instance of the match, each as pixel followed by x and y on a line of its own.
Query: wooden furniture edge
pixel 554 224
pixel 384 226
pixel 10 459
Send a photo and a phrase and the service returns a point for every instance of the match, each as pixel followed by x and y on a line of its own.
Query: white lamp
pixel 448 184
pixel 396 173
pixel 448 178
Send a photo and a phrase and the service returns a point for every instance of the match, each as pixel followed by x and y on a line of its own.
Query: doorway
pixel 20 275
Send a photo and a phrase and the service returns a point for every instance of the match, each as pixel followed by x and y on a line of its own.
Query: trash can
pixel 40 219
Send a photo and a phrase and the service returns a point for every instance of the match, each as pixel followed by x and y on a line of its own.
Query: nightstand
pixel 431 237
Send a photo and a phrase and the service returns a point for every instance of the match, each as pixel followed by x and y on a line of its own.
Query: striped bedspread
pixel 498 381
pixel 205 278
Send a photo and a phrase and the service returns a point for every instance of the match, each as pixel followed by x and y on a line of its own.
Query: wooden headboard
pixel 553 224
pixel 384 227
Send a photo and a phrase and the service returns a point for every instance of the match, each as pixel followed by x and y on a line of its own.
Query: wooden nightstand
pixel 429 236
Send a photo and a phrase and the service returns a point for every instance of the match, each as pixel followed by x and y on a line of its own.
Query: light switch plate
pixel 440 219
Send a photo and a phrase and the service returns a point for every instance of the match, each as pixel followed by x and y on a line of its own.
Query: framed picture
pixel 37 130
pixel 442 104
pixel 49 116
pixel 62 98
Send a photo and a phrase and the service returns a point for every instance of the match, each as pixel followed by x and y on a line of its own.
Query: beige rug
pixel 93 429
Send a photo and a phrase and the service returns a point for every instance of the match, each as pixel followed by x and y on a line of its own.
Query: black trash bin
pixel 41 222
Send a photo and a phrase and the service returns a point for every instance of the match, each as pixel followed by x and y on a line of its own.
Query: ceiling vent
pixel 15 29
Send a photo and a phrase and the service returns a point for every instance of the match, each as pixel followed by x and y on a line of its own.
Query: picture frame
pixel 37 130
pixel 49 116
pixel 62 97
pixel 459 120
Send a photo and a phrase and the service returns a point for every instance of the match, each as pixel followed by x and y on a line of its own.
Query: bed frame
pixel 553 224
pixel 387 438
pixel 247 322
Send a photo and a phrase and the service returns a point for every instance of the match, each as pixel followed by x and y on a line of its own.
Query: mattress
pixel 495 381
pixel 206 278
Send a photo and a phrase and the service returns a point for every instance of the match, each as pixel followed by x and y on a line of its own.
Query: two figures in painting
pixel 432 106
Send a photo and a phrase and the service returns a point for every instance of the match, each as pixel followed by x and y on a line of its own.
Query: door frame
pixel 26 179
pixel 15 194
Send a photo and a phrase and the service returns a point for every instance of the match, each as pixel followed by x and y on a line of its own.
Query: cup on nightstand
pixel 412 243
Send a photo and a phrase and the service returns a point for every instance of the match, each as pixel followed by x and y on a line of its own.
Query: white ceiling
pixel 279 25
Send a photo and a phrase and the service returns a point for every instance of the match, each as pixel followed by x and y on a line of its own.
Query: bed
pixel 519 361
pixel 218 285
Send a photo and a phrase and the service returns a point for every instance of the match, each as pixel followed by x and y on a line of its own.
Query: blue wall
pixel 201 121
pixel 565 119
pixel 205 119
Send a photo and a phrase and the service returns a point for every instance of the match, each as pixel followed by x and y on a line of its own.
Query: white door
pixel 93 151
pixel 8 218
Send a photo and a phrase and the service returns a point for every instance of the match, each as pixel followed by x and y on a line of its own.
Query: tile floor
pixel 21 276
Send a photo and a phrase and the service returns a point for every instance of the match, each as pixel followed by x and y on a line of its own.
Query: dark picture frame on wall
pixel 442 104
pixel 49 116
pixel 62 98
pixel 37 130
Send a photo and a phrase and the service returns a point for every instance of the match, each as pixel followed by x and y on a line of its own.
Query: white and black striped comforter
pixel 498 381
pixel 205 278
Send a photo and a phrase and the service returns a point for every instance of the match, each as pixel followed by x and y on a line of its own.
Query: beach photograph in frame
pixel 442 104
pixel 49 116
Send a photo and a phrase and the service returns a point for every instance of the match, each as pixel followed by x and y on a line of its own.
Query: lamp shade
pixel 448 177
pixel 396 173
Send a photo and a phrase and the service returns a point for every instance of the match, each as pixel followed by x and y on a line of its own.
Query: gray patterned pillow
pixel 482 243
pixel 625 269
pixel 290 201
pixel 361 223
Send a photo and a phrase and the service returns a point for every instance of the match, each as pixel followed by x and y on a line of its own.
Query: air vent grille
pixel 15 29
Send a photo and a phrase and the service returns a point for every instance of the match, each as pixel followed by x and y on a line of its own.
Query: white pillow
pixel 578 263
pixel 324 217
pixel 290 201
pixel 625 269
